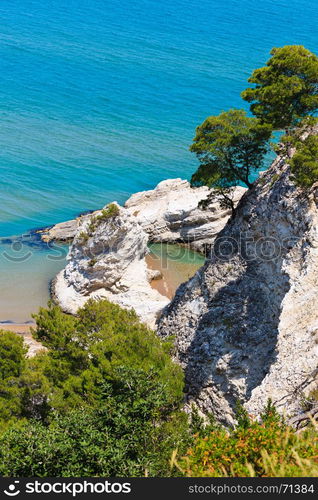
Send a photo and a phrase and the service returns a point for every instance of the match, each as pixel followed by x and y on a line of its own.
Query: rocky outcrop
pixel 168 213
pixel 107 260
pixel 64 231
pixel 246 325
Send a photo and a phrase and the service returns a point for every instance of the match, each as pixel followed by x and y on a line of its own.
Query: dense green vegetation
pixel 265 449
pixel 105 399
pixel 230 147
pixel 285 90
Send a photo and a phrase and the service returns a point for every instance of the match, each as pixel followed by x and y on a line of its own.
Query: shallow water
pixel 176 263
pixel 28 268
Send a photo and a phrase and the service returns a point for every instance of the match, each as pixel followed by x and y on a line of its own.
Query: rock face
pixel 111 264
pixel 64 231
pixel 246 325
pixel 168 213
pixel 107 261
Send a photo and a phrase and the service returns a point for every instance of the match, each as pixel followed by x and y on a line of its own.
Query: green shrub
pixel 112 210
pixel 131 433
pixel 103 399
pixel 12 355
pixel 83 237
pixel 267 448
pixel 304 163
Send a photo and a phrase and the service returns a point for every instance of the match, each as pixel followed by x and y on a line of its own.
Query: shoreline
pixel 168 214
pixel 20 328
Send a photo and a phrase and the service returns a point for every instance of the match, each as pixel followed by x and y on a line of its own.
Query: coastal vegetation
pixel 304 163
pixel 105 398
pixel 230 147
pixel 285 90
pixel 266 449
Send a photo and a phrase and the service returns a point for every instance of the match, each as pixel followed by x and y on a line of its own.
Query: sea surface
pixel 100 99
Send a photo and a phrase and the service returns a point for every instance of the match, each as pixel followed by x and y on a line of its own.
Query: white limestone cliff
pixel 108 262
pixel 246 325
pixel 168 213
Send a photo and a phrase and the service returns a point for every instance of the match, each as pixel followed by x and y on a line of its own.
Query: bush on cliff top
pixel 266 449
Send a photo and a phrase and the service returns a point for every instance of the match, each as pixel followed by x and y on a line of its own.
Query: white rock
pixel 246 324
pixel 109 264
pixel 170 213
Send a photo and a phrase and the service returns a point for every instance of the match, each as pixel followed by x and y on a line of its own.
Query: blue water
pixel 100 99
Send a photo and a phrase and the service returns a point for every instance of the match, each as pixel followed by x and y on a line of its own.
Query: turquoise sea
pixel 100 98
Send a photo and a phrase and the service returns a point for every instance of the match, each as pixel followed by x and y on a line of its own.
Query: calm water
pixel 100 99
pixel 176 263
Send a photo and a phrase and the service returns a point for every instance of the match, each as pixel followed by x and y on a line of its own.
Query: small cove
pixel 29 265
pixel 177 264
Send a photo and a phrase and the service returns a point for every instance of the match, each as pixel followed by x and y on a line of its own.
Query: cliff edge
pixel 246 325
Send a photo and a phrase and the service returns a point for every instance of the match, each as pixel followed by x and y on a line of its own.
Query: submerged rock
pixel 246 324
pixel 64 231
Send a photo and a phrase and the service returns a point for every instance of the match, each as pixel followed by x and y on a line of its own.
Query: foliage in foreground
pixel 266 449
pixel 130 433
pixel 103 400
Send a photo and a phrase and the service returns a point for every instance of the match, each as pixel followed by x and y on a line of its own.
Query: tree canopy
pixel 286 89
pixel 230 148
pixel 104 398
